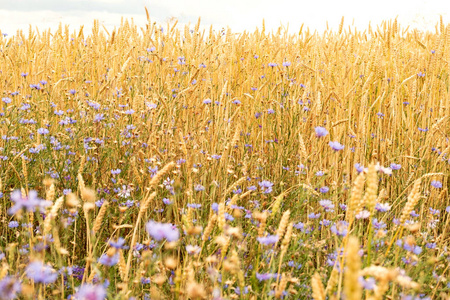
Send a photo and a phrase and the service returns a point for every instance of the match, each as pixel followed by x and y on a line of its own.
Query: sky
pixel 239 15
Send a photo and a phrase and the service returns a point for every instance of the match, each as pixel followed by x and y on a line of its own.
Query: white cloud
pixel 239 14
pixel 100 1
pixel 12 20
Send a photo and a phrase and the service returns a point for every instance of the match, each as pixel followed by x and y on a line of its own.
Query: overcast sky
pixel 239 15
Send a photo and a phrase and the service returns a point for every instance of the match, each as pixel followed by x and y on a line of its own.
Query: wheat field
pixel 171 163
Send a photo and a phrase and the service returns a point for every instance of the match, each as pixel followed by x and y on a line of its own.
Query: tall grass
pixel 172 164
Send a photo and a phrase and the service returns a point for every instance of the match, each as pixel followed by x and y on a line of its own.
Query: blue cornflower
pixel 265 276
pixel 268 240
pixel 324 189
pixel 194 205
pixel 340 228
pixel 91 292
pixel 367 284
pixel 325 222
pixel 116 171
pixel 336 146
pixel 28 203
pixel 359 168
pixel 395 166
pixel 13 224
pixel 41 273
pixel 43 131
pixel 119 244
pixel 314 216
pixel 266 186
pixel 98 117
pixel 167 201
pixel 321 131
pixel 430 245
pixel 327 205
pixel 382 207
pixel 378 224
pixel 160 231
pixel 109 260
pixel 437 184
pixel 199 188
pixel 9 288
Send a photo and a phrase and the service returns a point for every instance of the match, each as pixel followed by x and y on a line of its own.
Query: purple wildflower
pixel 116 171
pixel 43 131
pixel 167 201
pixel 199 188
pixel 160 231
pixel 266 186
pixel 340 228
pixel 395 166
pixel 336 146
pixel 109 260
pixel 299 225
pixel 324 189
pixel 29 203
pixel 314 216
pixel 119 244
pixel 41 273
pixel 194 205
pixel 359 168
pixel 98 117
pixel 378 224
pixel 9 287
pixel 437 184
pixel 13 224
pixel 268 240
pixel 321 131
pixel 91 292
pixel 327 205
pixel 367 284
pixel 382 207
pixel 265 276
